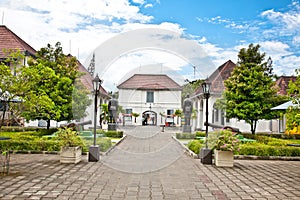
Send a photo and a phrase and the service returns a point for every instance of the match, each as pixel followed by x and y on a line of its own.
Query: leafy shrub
pixel 278 142
pixel 227 141
pixel 262 139
pixel 200 134
pixel 69 138
pixel 185 135
pixel 17 129
pixel 114 134
pixel 104 144
pixel 195 145
pixel 42 131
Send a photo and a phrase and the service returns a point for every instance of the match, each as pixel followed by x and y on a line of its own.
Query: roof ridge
pixel 19 40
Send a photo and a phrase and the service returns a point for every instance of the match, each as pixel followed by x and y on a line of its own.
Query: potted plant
pixel 225 145
pixel 71 145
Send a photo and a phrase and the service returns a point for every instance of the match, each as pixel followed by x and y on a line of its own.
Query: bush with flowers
pixel 226 141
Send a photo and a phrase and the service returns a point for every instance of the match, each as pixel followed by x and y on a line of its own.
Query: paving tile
pixel 148 164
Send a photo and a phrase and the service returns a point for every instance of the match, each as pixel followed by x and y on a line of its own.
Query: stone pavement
pixel 123 174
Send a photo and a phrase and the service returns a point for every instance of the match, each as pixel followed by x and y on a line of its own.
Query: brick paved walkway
pixel 39 176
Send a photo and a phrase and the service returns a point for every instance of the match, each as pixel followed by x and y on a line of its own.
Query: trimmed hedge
pixel 185 135
pixel 113 134
pixel 272 135
pixel 267 150
pixel 200 134
pixel 27 145
pixel 264 146
pixel 195 145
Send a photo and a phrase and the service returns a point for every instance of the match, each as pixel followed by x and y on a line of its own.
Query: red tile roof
pixel 150 82
pixel 218 77
pixel 283 82
pixel 9 40
pixel 86 79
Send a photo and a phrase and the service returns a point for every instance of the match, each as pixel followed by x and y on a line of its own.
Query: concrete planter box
pixel 70 154
pixel 223 158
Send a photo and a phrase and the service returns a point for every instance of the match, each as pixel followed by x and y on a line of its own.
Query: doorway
pixel 149 118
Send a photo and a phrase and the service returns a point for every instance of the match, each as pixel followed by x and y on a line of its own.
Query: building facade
pixel 217 116
pixel 9 41
pixel 155 97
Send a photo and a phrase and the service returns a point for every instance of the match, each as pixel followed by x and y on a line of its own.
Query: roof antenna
pixel 91 68
pixel 70 43
pixel 78 54
pixel 3 18
pixel 194 72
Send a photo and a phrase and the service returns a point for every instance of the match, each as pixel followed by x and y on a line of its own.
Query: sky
pixel 216 30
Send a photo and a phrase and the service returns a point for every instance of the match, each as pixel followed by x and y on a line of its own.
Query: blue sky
pixel 220 27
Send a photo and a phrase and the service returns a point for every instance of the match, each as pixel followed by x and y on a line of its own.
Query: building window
pixel 150 97
pixel 170 112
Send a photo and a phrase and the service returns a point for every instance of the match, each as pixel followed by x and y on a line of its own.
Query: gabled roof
pixel 283 82
pixel 218 77
pixel 86 79
pixel 9 40
pixel 150 82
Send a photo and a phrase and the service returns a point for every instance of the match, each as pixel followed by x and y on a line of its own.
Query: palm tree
pixel 135 115
pixel 178 113
pixel 104 113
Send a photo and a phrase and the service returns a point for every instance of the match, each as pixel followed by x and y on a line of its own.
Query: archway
pixel 149 118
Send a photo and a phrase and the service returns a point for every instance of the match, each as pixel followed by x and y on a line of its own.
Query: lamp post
pixel 206 154
pixel 94 149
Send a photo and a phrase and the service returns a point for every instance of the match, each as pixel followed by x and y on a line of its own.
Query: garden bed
pixel 263 146
pixel 34 141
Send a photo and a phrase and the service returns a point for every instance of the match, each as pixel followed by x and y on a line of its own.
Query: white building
pixel 10 41
pixel 217 116
pixel 155 97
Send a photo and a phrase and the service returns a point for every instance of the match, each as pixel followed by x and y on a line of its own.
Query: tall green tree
pixel 293 113
pixel 10 85
pixel 250 89
pixel 80 100
pixel 51 77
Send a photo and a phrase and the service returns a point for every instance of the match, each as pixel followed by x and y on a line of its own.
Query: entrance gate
pixel 149 118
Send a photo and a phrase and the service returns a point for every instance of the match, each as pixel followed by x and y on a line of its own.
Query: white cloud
pixel 139 1
pixel 296 40
pixel 285 23
pixel 275 48
pixel 144 61
pixel 81 26
pixel 85 23
pixel 149 5
pixel 289 20
pixel 287 65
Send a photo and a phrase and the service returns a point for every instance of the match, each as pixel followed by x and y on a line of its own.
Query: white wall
pixel 136 100
pixel 262 125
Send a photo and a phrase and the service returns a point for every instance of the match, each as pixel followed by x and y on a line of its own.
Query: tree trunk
pixel 3 115
pixel 48 124
pixel 253 126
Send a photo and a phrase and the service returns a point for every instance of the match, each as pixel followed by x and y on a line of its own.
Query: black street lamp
pixel 206 154
pixel 94 153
